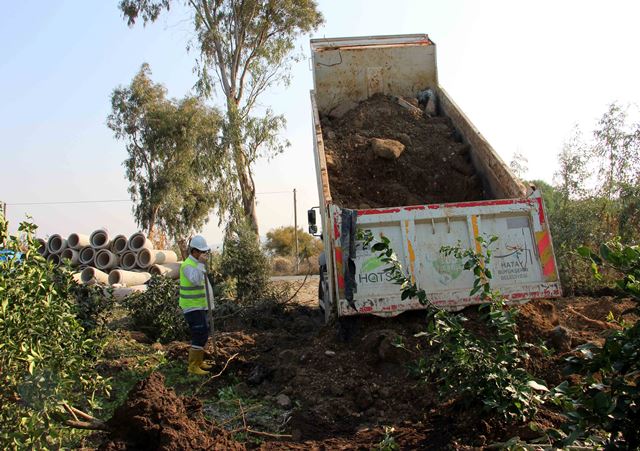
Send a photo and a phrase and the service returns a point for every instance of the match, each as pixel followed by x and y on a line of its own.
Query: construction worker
pixel 193 302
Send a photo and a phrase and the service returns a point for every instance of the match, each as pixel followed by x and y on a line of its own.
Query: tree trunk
pixel 247 186
pixel 184 249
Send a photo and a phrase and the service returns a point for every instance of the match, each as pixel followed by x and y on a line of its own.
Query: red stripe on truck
pixel 480 203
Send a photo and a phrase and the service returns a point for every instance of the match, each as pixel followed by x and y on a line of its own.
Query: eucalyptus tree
pixel 173 147
pixel 244 48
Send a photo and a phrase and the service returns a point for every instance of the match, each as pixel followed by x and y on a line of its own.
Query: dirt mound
pixel 154 418
pixel 434 166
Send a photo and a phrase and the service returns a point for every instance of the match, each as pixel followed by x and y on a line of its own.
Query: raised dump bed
pixel 395 155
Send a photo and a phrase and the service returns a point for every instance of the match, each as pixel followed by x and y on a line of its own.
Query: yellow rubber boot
pixel 195 360
pixel 206 365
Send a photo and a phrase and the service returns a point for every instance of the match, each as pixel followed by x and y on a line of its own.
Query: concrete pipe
pixel 77 241
pixel 99 239
pixel 122 292
pixel 119 244
pixel 128 278
pixel 54 258
pixel 128 261
pixel 148 257
pixel 171 270
pixel 87 255
pixel 56 244
pixel 91 275
pixel 139 241
pixel 72 255
pixel 106 259
pixel 42 249
pixel 77 277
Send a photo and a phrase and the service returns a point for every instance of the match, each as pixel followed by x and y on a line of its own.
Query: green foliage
pixel 224 288
pixel 244 262
pixel 245 48
pixel 388 443
pixel 173 147
pixel 156 312
pixel 596 195
pixel 460 364
pixel 46 357
pixel 93 307
pixel 608 397
pixel 281 242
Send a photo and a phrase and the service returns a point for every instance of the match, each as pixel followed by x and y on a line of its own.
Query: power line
pixel 104 201
pixel 70 202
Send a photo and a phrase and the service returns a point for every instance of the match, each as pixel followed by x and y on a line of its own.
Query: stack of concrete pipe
pixel 124 263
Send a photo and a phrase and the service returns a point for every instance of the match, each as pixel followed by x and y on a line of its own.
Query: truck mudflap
pixel 523 263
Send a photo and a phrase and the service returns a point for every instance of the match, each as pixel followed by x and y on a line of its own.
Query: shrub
pixel 156 311
pixel 608 397
pixel 474 369
pixel 244 262
pixel 46 356
pixel 92 307
pixel 281 265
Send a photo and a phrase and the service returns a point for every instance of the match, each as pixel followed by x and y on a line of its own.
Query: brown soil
pixel 434 168
pixel 345 393
pixel 154 418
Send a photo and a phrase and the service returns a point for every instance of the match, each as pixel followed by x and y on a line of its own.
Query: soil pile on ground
pixel 381 154
pixel 154 418
pixel 344 393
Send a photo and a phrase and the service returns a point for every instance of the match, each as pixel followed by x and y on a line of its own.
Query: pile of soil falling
pixel 434 168
pixel 154 418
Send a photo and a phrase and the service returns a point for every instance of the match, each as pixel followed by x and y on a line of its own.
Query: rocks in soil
pixel 560 339
pixel 381 348
pixel 284 401
pixel 258 374
pixel 389 149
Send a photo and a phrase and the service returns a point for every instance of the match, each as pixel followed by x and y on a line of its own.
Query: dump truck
pixel 348 72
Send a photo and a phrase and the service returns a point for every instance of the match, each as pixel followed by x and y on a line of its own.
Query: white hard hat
pixel 198 242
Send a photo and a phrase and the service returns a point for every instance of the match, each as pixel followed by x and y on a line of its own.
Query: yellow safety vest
pixel 191 296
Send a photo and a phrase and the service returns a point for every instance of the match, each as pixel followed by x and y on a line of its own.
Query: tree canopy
pixel 245 47
pixel 281 242
pixel 173 158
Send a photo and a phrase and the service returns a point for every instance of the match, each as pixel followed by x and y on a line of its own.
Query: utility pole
pixel 4 210
pixel 295 227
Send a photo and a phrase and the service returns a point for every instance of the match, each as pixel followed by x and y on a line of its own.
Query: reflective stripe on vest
pixel 191 296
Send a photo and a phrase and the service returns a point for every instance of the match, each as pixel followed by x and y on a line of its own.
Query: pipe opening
pixel 86 255
pixel 73 240
pixel 55 243
pixel 128 260
pixel 99 238
pixel 115 277
pixel 120 244
pixel 144 258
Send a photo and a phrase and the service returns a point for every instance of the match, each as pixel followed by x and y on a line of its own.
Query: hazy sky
pixel 524 72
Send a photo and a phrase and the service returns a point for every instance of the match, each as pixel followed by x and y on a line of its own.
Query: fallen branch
pixel 92 424
pixel 237 417
pixel 268 434
pixel 248 430
pixel 244 418
pixel 299 288
pixel 216 375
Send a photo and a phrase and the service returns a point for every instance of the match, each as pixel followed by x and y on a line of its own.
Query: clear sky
pixel 524 72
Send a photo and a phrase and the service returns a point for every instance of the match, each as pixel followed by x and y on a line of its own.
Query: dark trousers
pixel 199 327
